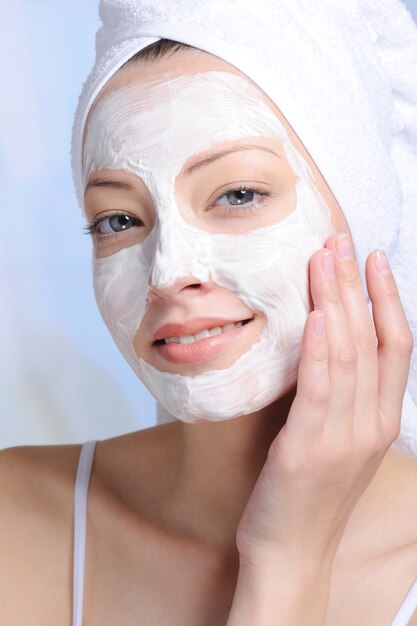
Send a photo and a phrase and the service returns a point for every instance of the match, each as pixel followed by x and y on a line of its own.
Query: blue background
pixel 62 380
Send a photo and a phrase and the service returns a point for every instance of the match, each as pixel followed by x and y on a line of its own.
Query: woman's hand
pixel 346 413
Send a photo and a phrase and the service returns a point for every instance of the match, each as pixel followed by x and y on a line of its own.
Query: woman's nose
pixel 184 287
pixel 177 253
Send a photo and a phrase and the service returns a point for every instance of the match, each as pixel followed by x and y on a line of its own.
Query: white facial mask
pixel 150 129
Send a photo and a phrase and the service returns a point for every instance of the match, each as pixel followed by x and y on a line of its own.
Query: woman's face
pixel 206 205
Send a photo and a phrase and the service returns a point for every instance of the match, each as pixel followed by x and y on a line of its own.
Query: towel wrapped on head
pixel 344 75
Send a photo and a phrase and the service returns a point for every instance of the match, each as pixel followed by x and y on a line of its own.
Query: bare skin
pixel 165 502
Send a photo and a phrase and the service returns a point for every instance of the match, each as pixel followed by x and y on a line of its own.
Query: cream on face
pixel 151 129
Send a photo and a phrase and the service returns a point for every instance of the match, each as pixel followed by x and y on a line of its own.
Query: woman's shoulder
pixel 385 519
pixel 401 475
pixel 36 516
pixel 29 474
pixel 39 480
pixel 379 546
pixel 36 487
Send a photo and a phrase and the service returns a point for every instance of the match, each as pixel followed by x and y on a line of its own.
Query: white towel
pixel 343 73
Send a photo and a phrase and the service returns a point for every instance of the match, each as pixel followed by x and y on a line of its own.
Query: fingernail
pixel 344 247
pixel 327 262
pixel 381 263
pixel 319 326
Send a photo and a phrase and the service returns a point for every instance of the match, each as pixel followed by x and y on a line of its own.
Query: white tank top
pixel 82 480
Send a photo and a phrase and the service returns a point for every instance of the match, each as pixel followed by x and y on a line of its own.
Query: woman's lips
pixel 201 350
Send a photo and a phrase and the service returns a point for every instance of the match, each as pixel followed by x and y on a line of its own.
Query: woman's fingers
pixel 341 349
pixel 352 295
pixel 394 338
pixel 351 378
pixel 305 421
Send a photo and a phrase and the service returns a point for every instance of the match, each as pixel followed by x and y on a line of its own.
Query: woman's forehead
pixel 184 62
pixel 192 61
pixel 154 128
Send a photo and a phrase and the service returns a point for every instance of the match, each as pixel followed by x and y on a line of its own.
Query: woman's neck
pixel 216 467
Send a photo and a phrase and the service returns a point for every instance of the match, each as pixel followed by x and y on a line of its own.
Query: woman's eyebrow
pixel 108 182
pixel 119 184
pixel 222 153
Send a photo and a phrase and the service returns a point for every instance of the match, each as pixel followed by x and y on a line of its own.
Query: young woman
pixel 276 497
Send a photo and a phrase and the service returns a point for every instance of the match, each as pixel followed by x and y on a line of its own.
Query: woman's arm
pixel 273 598
pixel 345 415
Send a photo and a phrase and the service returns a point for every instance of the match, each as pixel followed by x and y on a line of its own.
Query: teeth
pixel 217 330
pixel 186 339
pixel 202 335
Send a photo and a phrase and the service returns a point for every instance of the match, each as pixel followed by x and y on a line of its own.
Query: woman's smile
pixel 202 346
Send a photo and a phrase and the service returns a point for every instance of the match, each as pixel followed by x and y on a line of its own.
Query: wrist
pixel 283 595
pixel 298 564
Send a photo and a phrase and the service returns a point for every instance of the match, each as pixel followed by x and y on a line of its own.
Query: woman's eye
pixel 113 224
pixel 247 198
pixel 116 223
pixel 235 200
